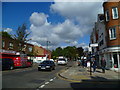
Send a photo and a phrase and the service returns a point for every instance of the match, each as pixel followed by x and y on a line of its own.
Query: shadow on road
pixel 96 82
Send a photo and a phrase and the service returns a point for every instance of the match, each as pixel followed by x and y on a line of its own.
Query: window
pixel 3 44
pixel 101 43
pixel 115 13
pixel 10 45
pixel 30 49
pixel 112 33
pixel 107 15
pixel 20 45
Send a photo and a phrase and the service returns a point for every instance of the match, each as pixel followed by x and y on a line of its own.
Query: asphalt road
pixel 30 77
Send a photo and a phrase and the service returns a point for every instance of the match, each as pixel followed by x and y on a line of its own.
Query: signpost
pixel 90 50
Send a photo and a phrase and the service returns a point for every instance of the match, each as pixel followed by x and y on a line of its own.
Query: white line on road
pixel 46 82
pixel 41 86
pixel 54 78
pixel 51 79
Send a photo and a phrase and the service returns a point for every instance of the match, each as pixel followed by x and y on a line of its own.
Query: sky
pixel 61 23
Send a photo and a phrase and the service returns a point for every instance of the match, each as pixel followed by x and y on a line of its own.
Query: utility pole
pixel 47 49
pixel 90 50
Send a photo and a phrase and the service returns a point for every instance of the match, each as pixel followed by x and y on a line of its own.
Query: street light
pixel 47 49
pixel 90 50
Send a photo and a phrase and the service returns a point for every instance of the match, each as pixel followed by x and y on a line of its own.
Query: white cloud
pixel 79 21
pixel 7 30
pixel 55 33
pixel 83 45
pixel 82 13
pixel 38 19
pixel 34 43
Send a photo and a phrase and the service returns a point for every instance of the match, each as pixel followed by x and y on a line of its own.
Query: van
pixel 7 63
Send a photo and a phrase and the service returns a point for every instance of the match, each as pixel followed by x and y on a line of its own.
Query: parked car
pixel 62 61
pixel 46 65
pixel 7 63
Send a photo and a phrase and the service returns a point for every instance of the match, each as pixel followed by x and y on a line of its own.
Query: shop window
pixel 115 60
pixel 112 33
pixel 115 13
pixel 10 45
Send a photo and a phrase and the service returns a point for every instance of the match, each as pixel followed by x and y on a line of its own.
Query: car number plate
pixel 42 67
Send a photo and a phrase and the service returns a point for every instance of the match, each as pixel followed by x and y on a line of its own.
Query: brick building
pixel 10 46
pixel 106 33
pixel 112 27
pixel 13 46
pixel 41 53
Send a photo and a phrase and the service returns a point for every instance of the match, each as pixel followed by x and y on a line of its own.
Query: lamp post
pixel 47 48
pixel 90 50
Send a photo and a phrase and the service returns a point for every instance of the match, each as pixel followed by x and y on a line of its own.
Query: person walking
pixel 94 65
pixel 103 64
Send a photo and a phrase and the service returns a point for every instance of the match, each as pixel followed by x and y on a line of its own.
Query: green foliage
pixel 5 34
pixel 70 52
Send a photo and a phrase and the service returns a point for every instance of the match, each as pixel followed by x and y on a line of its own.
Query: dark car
pixel 7 63
pixel 46 65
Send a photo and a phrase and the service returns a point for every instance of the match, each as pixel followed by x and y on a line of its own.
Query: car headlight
pixel 39 66
pixel 47 66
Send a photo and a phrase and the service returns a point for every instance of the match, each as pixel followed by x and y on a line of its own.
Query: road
pixel 33 79
pixel 30 77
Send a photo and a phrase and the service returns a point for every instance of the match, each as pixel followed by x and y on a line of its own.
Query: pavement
pixel 78 74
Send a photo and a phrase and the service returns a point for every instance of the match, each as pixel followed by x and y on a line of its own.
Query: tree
pixel 70 52
pixel 5 34
pixel 80 51
pixel 21 36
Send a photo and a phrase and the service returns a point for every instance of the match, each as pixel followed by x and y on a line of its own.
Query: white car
pixel 62 61
pixel 39 61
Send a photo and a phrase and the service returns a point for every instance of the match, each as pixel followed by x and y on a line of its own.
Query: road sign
pixel 90 49
pixel 94 45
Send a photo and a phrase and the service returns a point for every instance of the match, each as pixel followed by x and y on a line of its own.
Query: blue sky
pixel 61 23
pixel 17 13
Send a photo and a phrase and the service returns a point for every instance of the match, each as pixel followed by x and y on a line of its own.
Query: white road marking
pixel 46 82
pixel 54 78
pixel 41 86
pixel 51 79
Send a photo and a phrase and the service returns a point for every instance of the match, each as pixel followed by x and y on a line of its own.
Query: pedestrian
pixel 103 64
pixel 83 63
pixel 94 64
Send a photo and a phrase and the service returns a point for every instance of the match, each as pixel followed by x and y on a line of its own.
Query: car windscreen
pixel 61 60
pixel 45 62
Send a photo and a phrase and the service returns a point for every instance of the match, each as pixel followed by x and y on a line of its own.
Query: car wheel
pixel 54 68
pixel 11 67
pixel 38 69
pixel 50 69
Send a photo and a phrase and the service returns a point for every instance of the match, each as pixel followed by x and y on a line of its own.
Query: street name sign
pixel 94 45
